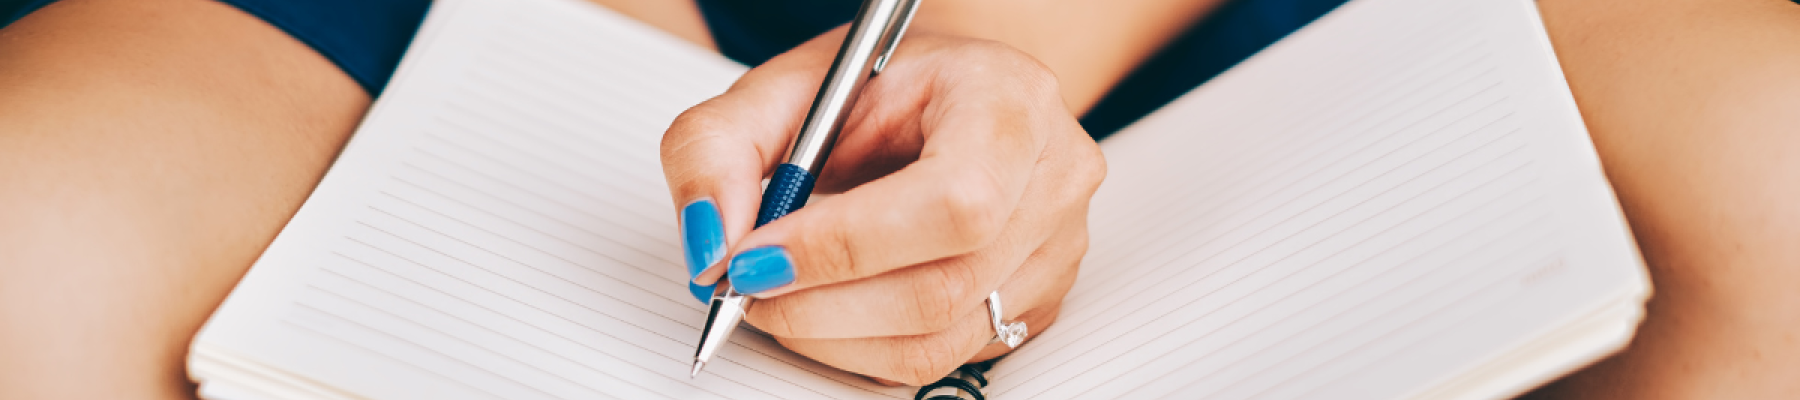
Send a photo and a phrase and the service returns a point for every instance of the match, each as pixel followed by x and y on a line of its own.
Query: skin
pixel 1115 35
pixel 150 149
pixel 972 88
pixel 1695 109
pixel 930 239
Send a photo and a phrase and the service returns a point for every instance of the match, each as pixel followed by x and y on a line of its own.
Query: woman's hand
pixel 961 172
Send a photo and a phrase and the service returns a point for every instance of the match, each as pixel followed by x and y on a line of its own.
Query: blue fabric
pixel 752 31
pixel 12 10
pixel 363 37
pixel 1231 34
pixel 367 37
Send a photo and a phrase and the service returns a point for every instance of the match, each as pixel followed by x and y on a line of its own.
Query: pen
pixel 872 38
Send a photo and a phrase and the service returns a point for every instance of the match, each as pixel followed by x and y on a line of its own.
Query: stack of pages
pixel 1398 201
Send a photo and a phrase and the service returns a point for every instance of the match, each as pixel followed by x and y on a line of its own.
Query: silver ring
pixel 1012 333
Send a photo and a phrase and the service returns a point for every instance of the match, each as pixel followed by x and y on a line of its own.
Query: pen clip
pixel 896 29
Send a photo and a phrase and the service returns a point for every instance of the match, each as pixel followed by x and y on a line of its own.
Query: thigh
pixel 1694 106
pixel 149 150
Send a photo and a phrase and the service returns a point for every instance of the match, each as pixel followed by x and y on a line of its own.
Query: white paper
pixel 1393 199
pixel 1382 202
pixel 499 227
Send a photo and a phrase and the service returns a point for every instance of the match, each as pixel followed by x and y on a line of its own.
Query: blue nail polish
pixel 703 239
pixel 704 293
pixel 756 270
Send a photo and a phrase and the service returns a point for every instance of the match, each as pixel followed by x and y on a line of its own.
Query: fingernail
pixel 704 293
pixel 703 239
pixel 760 269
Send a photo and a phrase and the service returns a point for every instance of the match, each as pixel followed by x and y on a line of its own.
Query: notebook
pixel 1398 201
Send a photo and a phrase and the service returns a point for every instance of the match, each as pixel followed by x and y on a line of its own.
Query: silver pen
pixel 873 35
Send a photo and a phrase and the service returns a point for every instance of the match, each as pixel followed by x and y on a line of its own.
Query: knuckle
pixel 774 316
pixel 989 52
pixel 1092 170
pixel 688 128
pixel 975 210
pixel 831 253
pixel 1037 78
pixel 1082 167
pixel 925 359
pixel 686 125
pixel 1077 248
pixel 937 294
pixel 998 58
pixel 1081 245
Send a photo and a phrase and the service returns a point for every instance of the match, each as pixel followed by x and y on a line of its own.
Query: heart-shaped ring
pixel 1012 333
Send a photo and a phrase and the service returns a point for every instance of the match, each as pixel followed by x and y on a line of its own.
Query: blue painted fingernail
pixel 703 239
pixel 704 293
pixel 756 270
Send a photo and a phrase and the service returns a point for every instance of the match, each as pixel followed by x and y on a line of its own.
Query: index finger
pixel 714 157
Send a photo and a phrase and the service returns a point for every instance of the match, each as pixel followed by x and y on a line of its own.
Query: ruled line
pixel 1199 198
pixel 1335 103
pixel 467 342
pixel 564 259
pixel 1313 328
pixel 1230 167
pixel 1285 180
pixel 417 345
pixel 1430 159
pixel 1162 269
pixel 665 259
pixel 1252 270
pixel 1295 375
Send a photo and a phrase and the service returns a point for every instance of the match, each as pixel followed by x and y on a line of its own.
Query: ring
pixel 1011 333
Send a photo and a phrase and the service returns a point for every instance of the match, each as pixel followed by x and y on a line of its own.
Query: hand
pixel 961 172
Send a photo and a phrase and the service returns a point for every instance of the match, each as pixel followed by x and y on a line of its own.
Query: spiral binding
pixel 971 380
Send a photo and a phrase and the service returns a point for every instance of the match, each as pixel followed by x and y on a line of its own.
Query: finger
pixel 713 169
pixel 716 154
pixel 919 359
pixel 929 297
pixel 1042 283
pixel 978 159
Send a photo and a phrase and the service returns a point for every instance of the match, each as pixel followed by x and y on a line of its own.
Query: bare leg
pixel 1695 108
pixel 149 151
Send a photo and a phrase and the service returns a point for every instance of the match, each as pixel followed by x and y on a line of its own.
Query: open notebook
pixel 1397 201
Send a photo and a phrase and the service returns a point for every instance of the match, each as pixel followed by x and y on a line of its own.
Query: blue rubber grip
pixel 787 192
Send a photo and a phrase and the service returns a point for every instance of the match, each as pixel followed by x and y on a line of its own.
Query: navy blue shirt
pixel 366 38
pixel 752 31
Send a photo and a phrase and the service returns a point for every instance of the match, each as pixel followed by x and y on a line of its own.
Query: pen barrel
pixel 871 35
pixel 788 190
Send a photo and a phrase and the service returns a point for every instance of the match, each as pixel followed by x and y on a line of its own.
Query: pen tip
pixel 697 366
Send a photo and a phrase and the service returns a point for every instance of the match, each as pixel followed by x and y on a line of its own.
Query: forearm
pixel 679 18
pixel 1089 44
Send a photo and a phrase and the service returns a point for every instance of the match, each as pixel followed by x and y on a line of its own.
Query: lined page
pixel 1393 195
pixel 499 228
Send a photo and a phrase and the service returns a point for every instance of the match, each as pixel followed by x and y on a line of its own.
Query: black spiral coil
pixel 971 380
